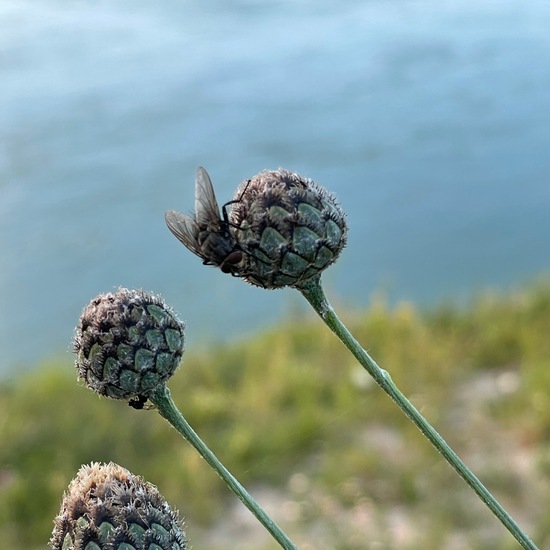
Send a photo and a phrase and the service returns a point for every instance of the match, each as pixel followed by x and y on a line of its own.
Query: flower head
pixel 127 343
pixel 288 228
pixel 107 507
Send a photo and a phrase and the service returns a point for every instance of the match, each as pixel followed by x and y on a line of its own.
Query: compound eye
pixel 231 260
pixel 234 258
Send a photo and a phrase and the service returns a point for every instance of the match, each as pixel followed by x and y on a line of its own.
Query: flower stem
pixel 168 410
pixel 313 292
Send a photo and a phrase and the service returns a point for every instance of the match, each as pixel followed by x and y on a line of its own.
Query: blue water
pixel 430 120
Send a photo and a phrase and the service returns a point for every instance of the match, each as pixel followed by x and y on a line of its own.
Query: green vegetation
pixel 299 423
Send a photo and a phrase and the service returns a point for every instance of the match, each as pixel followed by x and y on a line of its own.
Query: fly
pixel 139 402
pixel 207 234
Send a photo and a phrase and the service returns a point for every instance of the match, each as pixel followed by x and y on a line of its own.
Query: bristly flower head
pixel 288 228
pixel 127 344
pixel 106 507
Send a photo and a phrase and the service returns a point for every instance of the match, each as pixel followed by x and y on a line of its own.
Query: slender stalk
pixel 168 410
pixel 314 294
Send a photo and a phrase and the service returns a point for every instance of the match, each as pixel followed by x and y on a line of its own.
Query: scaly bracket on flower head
pixel 106 506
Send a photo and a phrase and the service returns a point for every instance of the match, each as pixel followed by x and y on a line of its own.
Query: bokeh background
pixel 429 120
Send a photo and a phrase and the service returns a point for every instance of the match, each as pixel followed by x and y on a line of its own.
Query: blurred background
pixel 429 120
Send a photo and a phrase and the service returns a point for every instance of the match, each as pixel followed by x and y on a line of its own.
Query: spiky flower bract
pixel 106 507
pixel 127 343
pixel 288 228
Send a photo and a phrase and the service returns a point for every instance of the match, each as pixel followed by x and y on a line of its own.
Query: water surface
pixel 430 120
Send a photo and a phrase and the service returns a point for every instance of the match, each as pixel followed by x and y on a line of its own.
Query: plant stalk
pixel 314 294
pixel 166 407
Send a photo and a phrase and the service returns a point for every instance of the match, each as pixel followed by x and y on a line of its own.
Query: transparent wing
pixel 185 229
pixel 207 212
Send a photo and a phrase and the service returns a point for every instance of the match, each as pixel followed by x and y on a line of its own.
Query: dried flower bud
pixel 127 344
pixel 288 228
pixel 107 507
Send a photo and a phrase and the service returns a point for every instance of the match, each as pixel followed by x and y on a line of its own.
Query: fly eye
pixel 234 258
pixel 231 260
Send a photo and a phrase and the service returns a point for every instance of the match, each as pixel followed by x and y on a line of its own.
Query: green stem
pixel 168 410
pixel 314 294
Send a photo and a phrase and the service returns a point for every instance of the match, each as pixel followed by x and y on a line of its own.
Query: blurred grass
pixel 302 426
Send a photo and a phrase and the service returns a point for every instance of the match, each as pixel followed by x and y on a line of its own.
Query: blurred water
pixel 430 120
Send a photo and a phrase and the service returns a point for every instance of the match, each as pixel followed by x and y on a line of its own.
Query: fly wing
pixel 207 212
pixel 185 229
